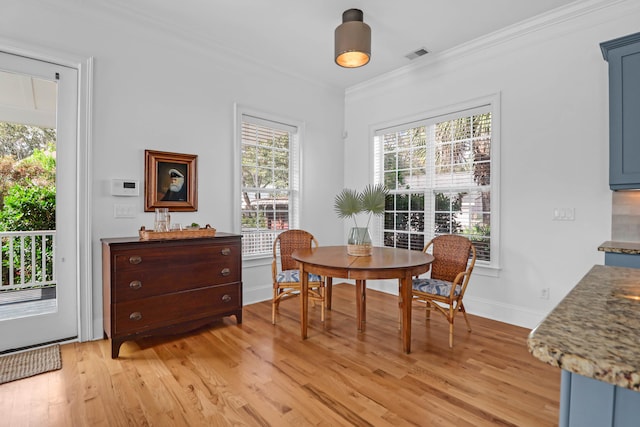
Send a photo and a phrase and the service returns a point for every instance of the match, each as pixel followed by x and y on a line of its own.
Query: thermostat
pixel 124 187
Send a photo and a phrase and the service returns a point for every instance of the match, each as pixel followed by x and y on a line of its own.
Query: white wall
pixel 162 91
pixel 554 148
pixel 157 90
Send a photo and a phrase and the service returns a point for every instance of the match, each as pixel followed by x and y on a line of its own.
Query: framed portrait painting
pixel 170 181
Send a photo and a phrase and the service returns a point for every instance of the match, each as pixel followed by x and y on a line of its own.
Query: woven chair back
pixel 291 240
pixel 451 255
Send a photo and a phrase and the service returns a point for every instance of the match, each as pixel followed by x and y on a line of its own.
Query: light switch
pixel 124 211
pixel 564 214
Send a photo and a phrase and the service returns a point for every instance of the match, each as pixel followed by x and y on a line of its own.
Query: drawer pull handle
pixel 136 315
pixel 226 251
pixel 226 271
pixel 135 259
pixel 136 284
pixel 226 298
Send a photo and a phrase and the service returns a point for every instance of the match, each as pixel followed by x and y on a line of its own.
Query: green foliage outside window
pixel 21 141
pixel 447 210
pixel 265 176
pixel 27 200
pixel 27 156
pixel 451 160
pixel 29 208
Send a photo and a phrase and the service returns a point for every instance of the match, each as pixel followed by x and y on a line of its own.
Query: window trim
pixel 493 267
pixel 296 128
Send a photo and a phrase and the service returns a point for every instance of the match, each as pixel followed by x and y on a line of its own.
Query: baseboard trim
pixel 255 295
pixel 501 312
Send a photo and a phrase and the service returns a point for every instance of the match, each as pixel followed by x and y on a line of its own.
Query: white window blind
pixel 269 182
pixel 439 173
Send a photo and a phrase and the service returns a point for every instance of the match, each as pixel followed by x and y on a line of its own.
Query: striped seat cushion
pixel 434 287
pixel 289 276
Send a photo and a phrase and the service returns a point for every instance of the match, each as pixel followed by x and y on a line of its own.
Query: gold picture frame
pixel 170 181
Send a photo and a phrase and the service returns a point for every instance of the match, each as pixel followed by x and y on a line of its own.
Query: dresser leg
pixel 115 348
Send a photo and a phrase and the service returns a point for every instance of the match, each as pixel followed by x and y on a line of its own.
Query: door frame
pixel 84 66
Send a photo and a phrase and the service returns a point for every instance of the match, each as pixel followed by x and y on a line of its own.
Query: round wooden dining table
pixel 383 263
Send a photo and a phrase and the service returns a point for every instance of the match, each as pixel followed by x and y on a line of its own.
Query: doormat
pixel 29 363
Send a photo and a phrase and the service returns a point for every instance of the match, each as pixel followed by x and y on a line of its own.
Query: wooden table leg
pixel 361 303
pixel 405 288
pixel 328 286
pixel 364 303
pixel 304 301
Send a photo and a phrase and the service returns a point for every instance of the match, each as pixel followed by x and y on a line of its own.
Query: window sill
pixel 486 270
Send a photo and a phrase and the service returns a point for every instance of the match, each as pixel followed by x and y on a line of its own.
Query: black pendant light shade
pixel 352 40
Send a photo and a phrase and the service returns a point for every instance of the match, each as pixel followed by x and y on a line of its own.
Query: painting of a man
pixel 172 183
pixel 177 188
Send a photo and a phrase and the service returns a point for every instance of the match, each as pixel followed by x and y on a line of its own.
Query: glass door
pixel 38 194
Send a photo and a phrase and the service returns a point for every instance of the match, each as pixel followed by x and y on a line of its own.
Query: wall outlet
pixel 544 293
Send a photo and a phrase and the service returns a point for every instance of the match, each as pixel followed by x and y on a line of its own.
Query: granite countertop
pixel 595 330
pixel 630 248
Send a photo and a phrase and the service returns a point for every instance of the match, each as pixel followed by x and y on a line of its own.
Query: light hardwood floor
pixel 258 374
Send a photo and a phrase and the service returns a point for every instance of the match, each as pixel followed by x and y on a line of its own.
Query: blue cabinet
pixel 622 260
pixel 621 254
pixel 623 55
pixel 585 402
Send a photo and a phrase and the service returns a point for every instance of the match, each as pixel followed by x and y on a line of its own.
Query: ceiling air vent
pixel 416 54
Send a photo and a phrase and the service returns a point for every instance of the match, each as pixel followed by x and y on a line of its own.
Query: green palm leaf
pixel 347 203
pixel 373 199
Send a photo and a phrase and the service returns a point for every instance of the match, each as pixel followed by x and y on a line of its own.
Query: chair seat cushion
pixel 289 276
pixel 434 287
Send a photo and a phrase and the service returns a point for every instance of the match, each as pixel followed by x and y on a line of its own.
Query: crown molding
pixel 555 17
pixel 616 43
pixel 193 39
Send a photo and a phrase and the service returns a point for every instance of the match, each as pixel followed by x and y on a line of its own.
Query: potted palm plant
pixel 349 203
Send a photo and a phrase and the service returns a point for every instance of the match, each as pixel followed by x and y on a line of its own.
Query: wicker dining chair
pixel 286 279
pixel 454 259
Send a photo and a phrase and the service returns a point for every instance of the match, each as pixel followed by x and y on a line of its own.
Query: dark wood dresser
pixel 157 287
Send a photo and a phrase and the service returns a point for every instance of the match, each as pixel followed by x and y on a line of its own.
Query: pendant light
pixel 352 40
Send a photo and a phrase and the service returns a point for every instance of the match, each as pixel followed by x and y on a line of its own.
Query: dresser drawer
pixel 162 310
pixel 141 274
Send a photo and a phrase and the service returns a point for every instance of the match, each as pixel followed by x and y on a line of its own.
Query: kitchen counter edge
pixel 594 330
pixel 630 248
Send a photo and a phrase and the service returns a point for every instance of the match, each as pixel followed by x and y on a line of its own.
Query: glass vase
pixel 163 220
pixel 359 242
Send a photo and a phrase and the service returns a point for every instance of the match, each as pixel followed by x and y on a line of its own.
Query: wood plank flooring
pixel 257 374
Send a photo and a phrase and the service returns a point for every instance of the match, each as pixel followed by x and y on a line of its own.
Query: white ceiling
pixel 297 35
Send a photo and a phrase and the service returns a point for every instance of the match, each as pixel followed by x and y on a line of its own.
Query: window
pixel 269 180
pixel 441 173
